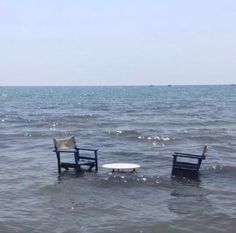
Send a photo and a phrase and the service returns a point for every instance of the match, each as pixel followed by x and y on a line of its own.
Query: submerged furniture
pixel 68 146
pixel 184 163
pixel 121 167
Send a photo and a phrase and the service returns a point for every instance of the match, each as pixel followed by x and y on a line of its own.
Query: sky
pixel 117 42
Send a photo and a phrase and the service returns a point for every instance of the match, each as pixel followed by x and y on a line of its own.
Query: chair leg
pixel 90 168
pixel 58 162
pixel 96 161
pixel 173 172
pixel 173 166
pixel 77 166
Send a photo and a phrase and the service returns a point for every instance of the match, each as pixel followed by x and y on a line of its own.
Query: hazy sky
pixel 117 42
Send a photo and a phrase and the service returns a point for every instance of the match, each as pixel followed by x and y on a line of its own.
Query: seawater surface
pixel 142 125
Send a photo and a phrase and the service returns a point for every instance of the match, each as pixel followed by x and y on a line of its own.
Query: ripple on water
pixel 123 127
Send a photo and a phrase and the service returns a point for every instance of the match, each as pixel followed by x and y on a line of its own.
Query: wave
pixel 133 134
pixel 225 170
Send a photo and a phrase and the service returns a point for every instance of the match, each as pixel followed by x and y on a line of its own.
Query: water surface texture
pixel 142 125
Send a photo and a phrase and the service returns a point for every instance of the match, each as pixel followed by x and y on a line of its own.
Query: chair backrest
pixel 64 144
pixel 205 148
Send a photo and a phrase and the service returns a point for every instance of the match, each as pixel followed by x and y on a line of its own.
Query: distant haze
pixel 49 42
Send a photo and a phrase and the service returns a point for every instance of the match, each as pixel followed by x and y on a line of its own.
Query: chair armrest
pixel 87 158
pixel 65 151
pixel 185 155
pixel 88 149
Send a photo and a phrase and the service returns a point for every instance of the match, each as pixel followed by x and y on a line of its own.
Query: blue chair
pixel 184 163
pixel 68 146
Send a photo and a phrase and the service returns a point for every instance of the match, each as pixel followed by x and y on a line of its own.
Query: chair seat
pixel 80 163
pixel 68 165
pixel 86 162
pixel 186 166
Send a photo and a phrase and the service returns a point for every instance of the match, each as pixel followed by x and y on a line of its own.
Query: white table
pixel 121 167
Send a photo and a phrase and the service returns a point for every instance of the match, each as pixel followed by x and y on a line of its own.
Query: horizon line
pixel 125 85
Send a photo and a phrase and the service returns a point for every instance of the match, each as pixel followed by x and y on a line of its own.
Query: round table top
pixel 121 166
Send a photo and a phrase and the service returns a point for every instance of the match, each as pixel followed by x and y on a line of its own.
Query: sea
pixel 131 124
